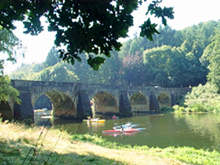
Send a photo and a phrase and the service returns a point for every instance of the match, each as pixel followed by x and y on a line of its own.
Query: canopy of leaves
pixel 83 26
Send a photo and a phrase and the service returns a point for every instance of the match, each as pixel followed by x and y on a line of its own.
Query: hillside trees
pixel 173 66
pixel 52 57
pixel 133 71
pixel 109 72
pixel 180 60
pixel 58 72
pixel 206 97
pixel 187 63
pixel 168 36
pixel 53 69
pixel 161 63
pixel 83 26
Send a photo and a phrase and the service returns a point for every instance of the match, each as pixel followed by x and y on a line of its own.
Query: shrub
pixel 198 108
pixel 178 108
pixel 203 98
pixel 166 109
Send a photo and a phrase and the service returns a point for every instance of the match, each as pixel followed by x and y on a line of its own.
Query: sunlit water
pixel 161 130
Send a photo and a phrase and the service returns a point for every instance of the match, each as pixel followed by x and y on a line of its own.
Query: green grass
pixel 24 145
pixel 185 154
pixel 17 155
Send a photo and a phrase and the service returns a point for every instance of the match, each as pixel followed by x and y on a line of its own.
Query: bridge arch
pixel 139 102
pixel 42 110
pixel 164 99
pixel 62 104
pixel 43 101
pixel 104 102
pixel 6 111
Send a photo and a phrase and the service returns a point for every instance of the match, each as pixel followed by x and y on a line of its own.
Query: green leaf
pixel 95 62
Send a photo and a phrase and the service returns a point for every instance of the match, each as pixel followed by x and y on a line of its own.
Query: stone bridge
pixel 78 100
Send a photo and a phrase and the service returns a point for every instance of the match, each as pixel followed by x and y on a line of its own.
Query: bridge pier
pixel 124 105
pixel 24 111
pixel 154 106
pixel 83 105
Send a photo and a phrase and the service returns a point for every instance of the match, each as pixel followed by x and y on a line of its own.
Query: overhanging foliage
pixel 83 26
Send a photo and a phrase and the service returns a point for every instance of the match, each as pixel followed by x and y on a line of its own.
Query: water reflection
pixel 206 125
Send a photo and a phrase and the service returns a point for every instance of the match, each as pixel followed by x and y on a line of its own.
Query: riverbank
pixel 20 144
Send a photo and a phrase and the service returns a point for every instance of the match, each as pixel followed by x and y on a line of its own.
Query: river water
pixel 201 131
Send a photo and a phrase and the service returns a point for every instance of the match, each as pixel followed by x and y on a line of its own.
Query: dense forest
pixel 174 58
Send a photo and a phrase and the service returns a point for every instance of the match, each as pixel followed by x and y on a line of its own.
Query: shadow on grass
pixel 19 153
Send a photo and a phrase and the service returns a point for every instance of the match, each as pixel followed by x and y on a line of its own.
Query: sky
pixel 186 13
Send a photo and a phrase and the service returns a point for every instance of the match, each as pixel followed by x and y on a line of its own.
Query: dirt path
pixel 127 156
pixel 130 157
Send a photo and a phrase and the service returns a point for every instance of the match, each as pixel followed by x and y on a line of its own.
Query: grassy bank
pixel 21 145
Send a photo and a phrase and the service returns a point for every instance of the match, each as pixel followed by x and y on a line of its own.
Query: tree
pixel 214 60
pixel 155 62
pixel 52 57
pixel 58 72
pixel 7 43
pixel 133 70
pixel 7 92
pixel 83 26
pixel 108 72
pixel 170 67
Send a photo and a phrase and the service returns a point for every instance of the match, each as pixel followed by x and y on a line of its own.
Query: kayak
pixel 125 126
pixel 95 120
pixel 115 117
pixel 129 130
